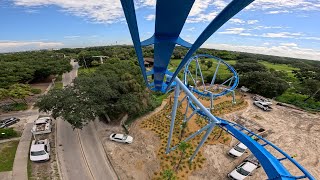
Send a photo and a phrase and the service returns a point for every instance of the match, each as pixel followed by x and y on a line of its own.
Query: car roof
pixel 42 120
pixel 119 136
pixel 37 147
pixel 248 166
pixel 241 145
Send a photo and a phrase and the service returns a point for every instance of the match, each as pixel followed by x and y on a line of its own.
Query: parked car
pixel 245 169
pixel 40 150
pixel 237 150
pixel 123 138
pixel 8 122
pixel 261 99
pixel 42 125
pixel 263 105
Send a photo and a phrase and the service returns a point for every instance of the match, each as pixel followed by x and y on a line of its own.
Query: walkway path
pixel 20 164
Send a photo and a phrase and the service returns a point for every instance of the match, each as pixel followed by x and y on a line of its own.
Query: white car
pixel 242 171
pixel 263 105
pixel 237 150
pixel 121 138
pixel 42 125
pixel 40 150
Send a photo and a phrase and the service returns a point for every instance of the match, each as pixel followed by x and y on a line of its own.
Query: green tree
pixel 168 174
pixel 209 64
pixel 3 93
pixel 183 146
pixel 264 83
pixel 19 91
pixel 244 67
pixel 114 89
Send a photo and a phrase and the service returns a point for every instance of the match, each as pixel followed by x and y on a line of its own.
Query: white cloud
pixel 220 4
pixel 150 17
pixel 71 37
pixel 240 21
pixel 278 12
pixel 237 21
pixel 233 31
pixel 269 27
pixel 199 6
pixel 283 6
pixel 149 2
pixel 287 51
pixel 191 29
pixel 310 38
pixel 9 46
pixel 252 21
pixel 202 18
pixel 105 11
pixel 289 44
pixel 282 35
pixel 246 34
pixel 199 11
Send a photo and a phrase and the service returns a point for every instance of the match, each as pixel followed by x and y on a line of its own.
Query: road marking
pixel 84 156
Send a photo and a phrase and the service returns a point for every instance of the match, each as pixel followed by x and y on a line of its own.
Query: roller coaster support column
pixel 234 97
pixel 196 101
pixel 173 115
pixel 205 137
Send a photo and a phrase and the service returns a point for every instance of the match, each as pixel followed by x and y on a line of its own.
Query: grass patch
pixel 280 67
pixel 59 77
pixel 7 133
pixel 35 91
pixel 296 99
pixel 7 154
pixel 14 107
pixel 58 85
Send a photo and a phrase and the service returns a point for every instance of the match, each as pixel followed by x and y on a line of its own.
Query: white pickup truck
pixel 42 125
pixel 40 150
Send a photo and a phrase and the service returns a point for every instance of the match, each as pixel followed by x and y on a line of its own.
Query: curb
pixel 57 157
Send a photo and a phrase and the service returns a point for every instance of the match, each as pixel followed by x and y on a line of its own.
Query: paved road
pixel 80 152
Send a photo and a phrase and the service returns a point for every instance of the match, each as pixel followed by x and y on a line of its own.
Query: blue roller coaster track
pixel 171 16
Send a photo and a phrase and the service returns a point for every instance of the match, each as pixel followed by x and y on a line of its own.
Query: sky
pixel 277 27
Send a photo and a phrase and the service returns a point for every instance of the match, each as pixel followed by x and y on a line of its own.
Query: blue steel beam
pixel 170 18
pixel 130 14
pixel 227 13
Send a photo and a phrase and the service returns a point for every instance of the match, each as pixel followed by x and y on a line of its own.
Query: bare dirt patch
pixel 145 158
pixel 295 132
pixel 46 170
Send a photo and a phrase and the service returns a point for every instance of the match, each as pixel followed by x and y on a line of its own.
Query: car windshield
pixel 124 137
pixel 237 148
pixel 38 153
pixel 243 172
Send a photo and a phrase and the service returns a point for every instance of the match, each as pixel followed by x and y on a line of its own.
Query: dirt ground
pixel 295 132
pixel 49 169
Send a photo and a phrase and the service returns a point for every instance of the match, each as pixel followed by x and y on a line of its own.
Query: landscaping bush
pixel 35 91
pixel 7 133
pixel 14 107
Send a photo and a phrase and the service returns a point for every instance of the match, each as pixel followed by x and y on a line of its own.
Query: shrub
pixel 36 91
pixel 7 133
pixel 14 107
